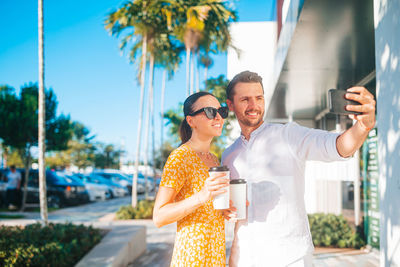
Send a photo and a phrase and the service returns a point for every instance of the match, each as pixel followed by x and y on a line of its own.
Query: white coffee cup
pixel 221 201
pixel 238 195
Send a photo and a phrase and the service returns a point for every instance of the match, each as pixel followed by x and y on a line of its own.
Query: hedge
pixel 52 245
pixel 329 230
pixel 143 210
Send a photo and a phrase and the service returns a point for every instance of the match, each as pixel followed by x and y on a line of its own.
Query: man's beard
pixel 250 123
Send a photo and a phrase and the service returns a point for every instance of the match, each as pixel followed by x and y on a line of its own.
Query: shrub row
pixel 143 210
pixel 329 230
pixel 52 245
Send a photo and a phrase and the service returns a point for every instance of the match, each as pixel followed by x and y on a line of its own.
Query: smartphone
pixel 337 102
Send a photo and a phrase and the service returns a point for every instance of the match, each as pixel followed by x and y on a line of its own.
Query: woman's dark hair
pixel 185 132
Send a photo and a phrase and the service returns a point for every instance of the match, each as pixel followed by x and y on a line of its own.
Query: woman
pixel 186 191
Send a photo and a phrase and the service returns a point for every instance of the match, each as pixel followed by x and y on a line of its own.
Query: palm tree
pixel 188 26
pixel 218 37
pixel 167 54
pixel 206 61
pixel 42 108
pixel 148 118
pixel 163 52
pixel 144 20
pixel 194 21
pixel 138 17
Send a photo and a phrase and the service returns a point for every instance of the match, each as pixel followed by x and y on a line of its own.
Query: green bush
pixel 329 230
pixel 143 210
pixel 53 245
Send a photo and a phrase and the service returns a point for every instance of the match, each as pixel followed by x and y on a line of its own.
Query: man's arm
pixel 352 139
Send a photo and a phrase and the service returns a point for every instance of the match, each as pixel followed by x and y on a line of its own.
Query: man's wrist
pixel 364 128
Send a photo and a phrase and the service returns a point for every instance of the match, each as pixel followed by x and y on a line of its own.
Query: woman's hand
pixel 213 186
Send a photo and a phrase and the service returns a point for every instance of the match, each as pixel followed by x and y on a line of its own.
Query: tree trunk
pixel 42 131
pixel 162 115
pixel 148 118
pixel 138 139
pixel 198 70
pixel 187 71
pixel 152 127
pixel 205 76
pixel 26 156
pixel 192 73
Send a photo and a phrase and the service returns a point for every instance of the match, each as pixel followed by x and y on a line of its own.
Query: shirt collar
pixel 254 133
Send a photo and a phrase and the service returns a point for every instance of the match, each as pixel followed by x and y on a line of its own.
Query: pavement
pixel 160 241
pixel 83 213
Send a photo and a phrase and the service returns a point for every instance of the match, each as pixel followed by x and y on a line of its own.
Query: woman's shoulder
pixel 182 152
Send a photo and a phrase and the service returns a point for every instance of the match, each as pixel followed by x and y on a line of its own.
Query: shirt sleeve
pixel 174 173
pixel 312 144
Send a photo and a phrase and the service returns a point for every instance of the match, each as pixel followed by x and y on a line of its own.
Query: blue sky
pixel 93 82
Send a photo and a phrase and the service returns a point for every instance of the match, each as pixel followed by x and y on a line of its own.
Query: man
pixel 12 187
pixel 271 157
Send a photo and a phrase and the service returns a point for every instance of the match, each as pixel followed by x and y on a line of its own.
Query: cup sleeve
pixel 174 173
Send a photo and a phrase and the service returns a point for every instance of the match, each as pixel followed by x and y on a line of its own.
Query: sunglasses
pixel 211 112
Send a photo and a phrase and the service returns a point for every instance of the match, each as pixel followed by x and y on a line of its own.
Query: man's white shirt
pixel 276 232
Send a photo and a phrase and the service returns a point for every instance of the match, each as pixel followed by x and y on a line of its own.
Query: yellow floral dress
pixel 200 237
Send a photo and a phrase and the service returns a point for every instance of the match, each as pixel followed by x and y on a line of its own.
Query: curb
pixel 120 247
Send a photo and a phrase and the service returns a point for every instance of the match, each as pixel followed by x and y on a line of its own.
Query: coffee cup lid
pixel 219 169
pixel 238 181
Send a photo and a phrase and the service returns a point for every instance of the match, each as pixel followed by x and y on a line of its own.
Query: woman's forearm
pixel 172 212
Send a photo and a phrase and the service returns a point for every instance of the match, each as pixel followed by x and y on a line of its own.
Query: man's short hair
pixel 243 77
pixel 12 167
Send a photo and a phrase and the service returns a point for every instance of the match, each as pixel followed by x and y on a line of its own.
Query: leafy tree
pixel 107 156
pixel 13 158
pixel 19 123
pixel 174 118
pixel 163 154
pixel 80 150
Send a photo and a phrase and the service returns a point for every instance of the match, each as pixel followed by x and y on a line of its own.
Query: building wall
pixel 387 49
pixel 256 44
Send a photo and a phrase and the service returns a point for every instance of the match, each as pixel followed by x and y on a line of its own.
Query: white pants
pixel 306 261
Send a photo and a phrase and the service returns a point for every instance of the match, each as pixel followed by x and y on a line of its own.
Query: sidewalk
pixel 160 245
pixel 160 241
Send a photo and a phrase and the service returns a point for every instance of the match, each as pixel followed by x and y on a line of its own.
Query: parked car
pixel 117 178
pixel 115 189
pixel 3 183
pixel 141 182
pixel 96 191
pixel 60 192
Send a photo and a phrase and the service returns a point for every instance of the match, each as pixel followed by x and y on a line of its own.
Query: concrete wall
pixel 387 46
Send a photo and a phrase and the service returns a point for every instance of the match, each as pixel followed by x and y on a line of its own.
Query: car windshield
pixel 75 178
pixel 99 180
pixel 58 179
pixel 67 178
